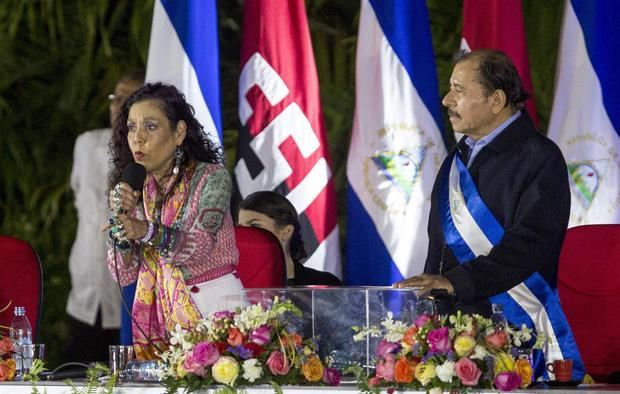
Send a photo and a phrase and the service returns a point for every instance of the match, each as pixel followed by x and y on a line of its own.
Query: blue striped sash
pixel 471 230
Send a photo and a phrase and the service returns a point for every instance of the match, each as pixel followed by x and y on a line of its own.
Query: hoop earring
pixel 178 159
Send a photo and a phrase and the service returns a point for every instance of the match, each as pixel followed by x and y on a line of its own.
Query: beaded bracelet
pixel 163 239
pixel 122 244
pixel 149 232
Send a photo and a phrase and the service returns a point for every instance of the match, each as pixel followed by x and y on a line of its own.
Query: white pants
pixel 223 293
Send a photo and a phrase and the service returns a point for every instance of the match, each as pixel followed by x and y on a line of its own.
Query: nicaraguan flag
pixel 184 52
pixel 585 120
pixel 396 145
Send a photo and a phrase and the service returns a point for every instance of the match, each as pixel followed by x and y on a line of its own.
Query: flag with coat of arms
pixel 585 119
pixel 396 144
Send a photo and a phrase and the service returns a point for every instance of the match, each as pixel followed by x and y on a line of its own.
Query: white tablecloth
pixel 129 388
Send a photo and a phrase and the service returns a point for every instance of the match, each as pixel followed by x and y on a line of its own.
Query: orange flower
pixel 404 370
pixel 235 337
pixel 292 339
pixel 6 346
pixel 410 334
pixel 312 369
pixel 7 370
pixel 524 369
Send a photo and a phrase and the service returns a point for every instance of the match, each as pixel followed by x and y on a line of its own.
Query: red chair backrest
pixel 261 260
pixel 21 281
pixel 589 289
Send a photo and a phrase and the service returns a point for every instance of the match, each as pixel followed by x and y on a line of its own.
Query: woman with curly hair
pixel 175 235
pixel 275 213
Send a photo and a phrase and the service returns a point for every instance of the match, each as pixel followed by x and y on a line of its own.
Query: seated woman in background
pixel 274 213
pixel 174 235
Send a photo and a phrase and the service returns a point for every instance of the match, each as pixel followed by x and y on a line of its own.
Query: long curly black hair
pixel 196 145
pixel 282 211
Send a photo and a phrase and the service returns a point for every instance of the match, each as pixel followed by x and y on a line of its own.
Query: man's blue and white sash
pixel 471 230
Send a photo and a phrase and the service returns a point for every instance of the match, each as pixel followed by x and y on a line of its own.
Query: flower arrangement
pixel 453 352
pixel 246 347
pixel 7 364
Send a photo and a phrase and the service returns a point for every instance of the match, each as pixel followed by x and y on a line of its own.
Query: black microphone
pixel 134 175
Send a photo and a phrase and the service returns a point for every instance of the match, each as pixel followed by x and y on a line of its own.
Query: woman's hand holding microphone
pixel 123 199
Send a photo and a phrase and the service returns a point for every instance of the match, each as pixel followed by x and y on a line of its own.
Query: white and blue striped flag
pixel 183 51
pixel 585 120
pixel 396 145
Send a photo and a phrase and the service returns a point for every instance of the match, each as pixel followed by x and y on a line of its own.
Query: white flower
pixel 252 370
pixel 372 331
pixel 462 322
pixel 435 390
pixel 251 317
pixel 176 336
pixel 479 353
pixel 445 371
pixel 394 330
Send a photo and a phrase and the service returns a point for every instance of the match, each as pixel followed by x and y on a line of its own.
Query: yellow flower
pixel 312 369
pixel 424 372
pixel 225 370
pixel 181 371
pixel 307 351
pixel 504 363
pixel 463 344
pixel 524 369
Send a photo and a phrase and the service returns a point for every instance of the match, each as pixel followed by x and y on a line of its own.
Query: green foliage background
pixel 60 59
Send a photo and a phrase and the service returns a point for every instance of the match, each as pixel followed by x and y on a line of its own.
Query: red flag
pixel 283 144
pixel 498 24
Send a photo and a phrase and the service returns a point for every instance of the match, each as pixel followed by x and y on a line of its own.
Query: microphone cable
pixel 125 306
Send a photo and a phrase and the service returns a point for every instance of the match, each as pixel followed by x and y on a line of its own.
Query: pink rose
pixel 331 376
pixel 497 340
pixel 439 340
pixel 203 355
pixel 384 347
pixel 261 335
pixel 374 381
pixel 421 320
pixel 6 346
pixel 467 371
pixel 507 381
pixel 385 367
pixel 278 363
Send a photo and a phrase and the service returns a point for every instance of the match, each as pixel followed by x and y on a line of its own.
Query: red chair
pixel 261 259
pixel 21 282
pixel 589 289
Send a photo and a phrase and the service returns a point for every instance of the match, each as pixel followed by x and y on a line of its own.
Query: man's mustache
pixel 452 113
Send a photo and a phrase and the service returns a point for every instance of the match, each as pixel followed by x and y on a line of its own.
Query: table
pixel 143 388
